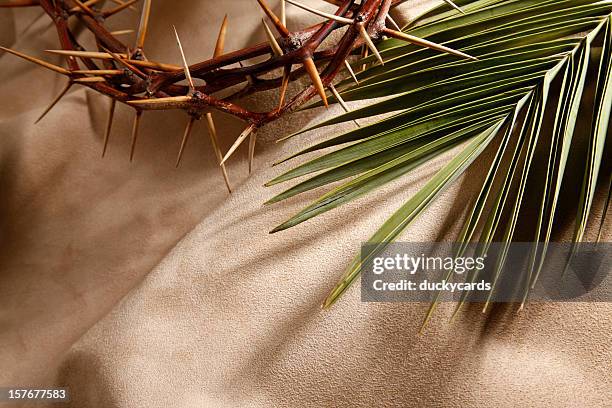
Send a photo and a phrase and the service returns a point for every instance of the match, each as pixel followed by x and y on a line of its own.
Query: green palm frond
pixel 438 102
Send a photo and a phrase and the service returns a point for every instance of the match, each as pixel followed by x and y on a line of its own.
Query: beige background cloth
pixel 138 285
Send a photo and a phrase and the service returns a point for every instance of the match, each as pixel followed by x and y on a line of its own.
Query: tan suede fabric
pixel 138 285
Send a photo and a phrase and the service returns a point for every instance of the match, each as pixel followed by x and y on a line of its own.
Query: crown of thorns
pixel 126 75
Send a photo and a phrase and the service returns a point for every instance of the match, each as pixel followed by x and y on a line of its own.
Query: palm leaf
pixel 434 102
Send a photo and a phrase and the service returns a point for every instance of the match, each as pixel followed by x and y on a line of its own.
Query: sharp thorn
pixel 220 45
pixel 278 24
pixel 106 56
pixel 212 131
pixel 84 54
pixel 425 43
pixel 135 129
pixel 341 101
pixel 122 32
pixel 350 70
pixel 370 43
pixel 283 12
pixel 89 80
pixel 276 48
pixel 185 66
pixel 37 61
pixel 284 85
pixel 156 101
pixel 54 102
pixel 98 72
pixel 320 13
pixel 171 102
pixel 143 25
pixel 337 95
pixel 238 142
pixel 252 143
pixel 186 135
pixel 393 23
pixel 109 125
pixel 311 68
